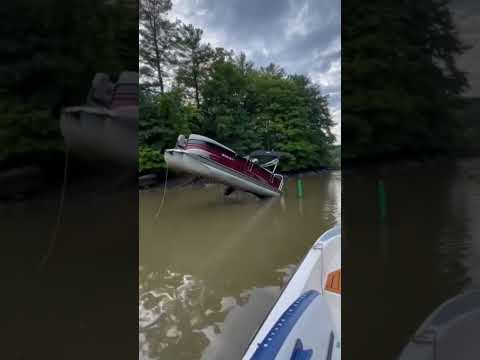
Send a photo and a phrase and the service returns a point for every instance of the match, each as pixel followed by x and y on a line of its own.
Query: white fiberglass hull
pixel 196 164
pixel 305 322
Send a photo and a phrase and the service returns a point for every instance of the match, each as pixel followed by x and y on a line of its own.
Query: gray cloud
pixel 302 36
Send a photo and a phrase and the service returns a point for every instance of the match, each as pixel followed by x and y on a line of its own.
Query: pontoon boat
pixel 204 157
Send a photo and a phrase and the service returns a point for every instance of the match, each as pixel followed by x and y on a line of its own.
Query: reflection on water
pixel 396 273
pixel 210 268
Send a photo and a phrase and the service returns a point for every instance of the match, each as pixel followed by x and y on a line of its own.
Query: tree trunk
pixel 197 95
pixel 195 85
pixel 157 59
pixel 159 69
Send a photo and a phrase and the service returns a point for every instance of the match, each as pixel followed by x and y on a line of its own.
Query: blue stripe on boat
pixel 270 346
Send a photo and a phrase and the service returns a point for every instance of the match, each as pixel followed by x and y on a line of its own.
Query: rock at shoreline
pixel 241 196
pixel 147 180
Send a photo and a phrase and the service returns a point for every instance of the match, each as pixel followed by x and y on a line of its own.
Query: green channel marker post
pixel 300 188
pixel 382 201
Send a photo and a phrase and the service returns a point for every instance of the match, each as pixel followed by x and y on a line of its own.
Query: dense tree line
pixel 212 91
pixel 50 51
pixel 400 82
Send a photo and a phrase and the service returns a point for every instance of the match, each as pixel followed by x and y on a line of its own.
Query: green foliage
pixel 26 130
pixel 399 78
pixel 266 109
pixel 226 109
pixel 150 159
pixel 247 109
pixel 162 119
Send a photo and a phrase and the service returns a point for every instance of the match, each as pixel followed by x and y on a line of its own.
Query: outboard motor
pixel 101 92
pixel 181 141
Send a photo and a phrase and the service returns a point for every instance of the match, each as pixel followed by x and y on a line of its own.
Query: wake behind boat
pixel 305 322
pixel 202 156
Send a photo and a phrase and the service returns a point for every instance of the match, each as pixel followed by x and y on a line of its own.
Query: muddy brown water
pixel 80 304
pixel 428 250
pixel 211 268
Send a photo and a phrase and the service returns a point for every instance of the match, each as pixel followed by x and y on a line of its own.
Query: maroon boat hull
pixel 206 157
pixel 237 163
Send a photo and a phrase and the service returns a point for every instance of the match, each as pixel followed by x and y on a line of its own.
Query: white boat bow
pixel 305 322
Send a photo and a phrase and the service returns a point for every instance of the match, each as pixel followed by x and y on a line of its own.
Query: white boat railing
pixel 281 181
pixel 274 163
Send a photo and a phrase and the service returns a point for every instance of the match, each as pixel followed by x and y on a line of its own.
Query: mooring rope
pixel 56 229
pixel 163 196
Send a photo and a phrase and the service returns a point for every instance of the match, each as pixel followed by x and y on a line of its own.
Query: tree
pixel 255 109
pixel 157 39
pixel 194 59
pixel 293 117
pixel 274 70
pixel 227 108
pixel 400 83
pixel 126 32
pixel 245 66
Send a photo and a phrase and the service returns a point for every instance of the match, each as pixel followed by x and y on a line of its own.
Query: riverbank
pixel 157 180
pixel 406 161
pixel 23 183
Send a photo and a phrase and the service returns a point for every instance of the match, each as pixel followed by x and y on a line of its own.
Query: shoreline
pixel 401 167
pixel 157 180
pixel 380 164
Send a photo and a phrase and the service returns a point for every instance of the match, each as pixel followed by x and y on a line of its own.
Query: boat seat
pixel 334 282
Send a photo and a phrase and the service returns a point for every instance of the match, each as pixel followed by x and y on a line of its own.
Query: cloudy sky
pixel 302 36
